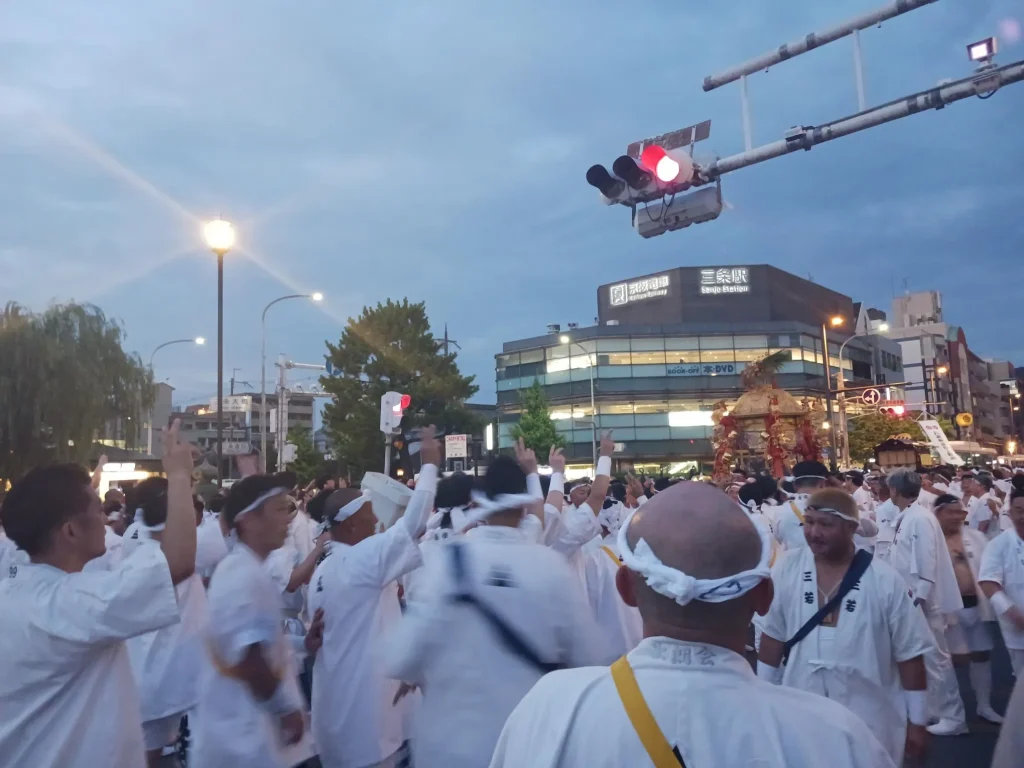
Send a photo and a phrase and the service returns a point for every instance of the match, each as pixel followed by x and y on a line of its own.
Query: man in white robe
pixel 868 653
pixel 66 687
pixel 451 646
pixel 854 484
pixel 356 722
pixel 808 477
pixel 968 634
pixel 168 663
pixel 1001 576
pixel 697 569
pixel 251 711
pixel 920 555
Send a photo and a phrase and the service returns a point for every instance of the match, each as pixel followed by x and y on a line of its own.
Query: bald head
pixel 696 529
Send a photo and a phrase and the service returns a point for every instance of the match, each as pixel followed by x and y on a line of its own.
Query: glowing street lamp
pixel 220 238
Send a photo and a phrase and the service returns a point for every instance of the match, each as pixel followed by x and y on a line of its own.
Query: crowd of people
pixel 511 621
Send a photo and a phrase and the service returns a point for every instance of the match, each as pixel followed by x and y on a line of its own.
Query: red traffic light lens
pixel 656 159
pixel 406 401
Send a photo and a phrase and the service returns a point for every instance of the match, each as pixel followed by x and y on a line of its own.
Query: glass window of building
pixel 558 351
pixel 749 355
pixel 750 342
pixel 615 409
pixel 690 342
pixel 716 355
pixel 715 342
pixel 651 407
pixel 643 345
pixel 531 356
pixel 614 358
pixel 675 356
pixel 613 345
pixel 648 358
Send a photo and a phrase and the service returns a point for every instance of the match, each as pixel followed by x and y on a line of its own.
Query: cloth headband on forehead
pixel 807 477
pixel 260 499
pixel 835 512
pixel 486 506
pixel 683 588
pixel 351 508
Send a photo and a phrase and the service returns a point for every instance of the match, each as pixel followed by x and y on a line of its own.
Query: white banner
pixel 933 431
pixel 455 446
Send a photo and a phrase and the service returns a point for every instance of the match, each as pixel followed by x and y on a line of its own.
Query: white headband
pixel 351 508
pixel 259 500
pixel 486 506
pixel 684 588
pixel 808 477
pixel 835 512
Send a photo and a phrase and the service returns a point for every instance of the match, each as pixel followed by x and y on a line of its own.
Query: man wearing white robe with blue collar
pixel 920 555
pixel 355 721
pixel 450 644
pixel 867 654
pixel 697 569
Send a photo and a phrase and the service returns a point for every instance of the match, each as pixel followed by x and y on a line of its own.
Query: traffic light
pixel 893 411
pixel 392 408
pixel 675 167
pixel 681 211
pixel 656 173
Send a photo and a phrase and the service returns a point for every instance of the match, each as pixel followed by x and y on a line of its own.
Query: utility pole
pixel 448 341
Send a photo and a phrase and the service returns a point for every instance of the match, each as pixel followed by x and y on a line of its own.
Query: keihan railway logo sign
pixel 724 280
pixel 638 290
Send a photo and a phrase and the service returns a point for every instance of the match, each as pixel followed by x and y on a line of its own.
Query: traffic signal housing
pixel 657 172
pixel 392 409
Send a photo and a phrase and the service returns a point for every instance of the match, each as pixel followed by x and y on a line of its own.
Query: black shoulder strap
pixel 861 561
pixel 512 640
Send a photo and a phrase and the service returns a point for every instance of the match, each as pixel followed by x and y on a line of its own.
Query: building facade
pixel 668 346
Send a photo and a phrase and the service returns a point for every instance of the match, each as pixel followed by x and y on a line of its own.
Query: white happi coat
pixel 865 501
pixel 1003 563
pixel 211 546
pixel 920 554
pixel 707 702
pixel 789 530
pixel 355 723
pixel 10 556
pixel 67 693
pixel 169 663
pixel 109 559
pixel 471 682
pixel 231 727
pixel 855 662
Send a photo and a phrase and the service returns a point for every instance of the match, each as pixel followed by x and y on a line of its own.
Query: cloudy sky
pixel 437 150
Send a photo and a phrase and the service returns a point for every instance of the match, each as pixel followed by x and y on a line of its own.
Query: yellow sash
pixel 611 554
pixel 646 727
pixel 797 512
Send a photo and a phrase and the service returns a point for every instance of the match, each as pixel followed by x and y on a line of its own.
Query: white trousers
pixel 944 700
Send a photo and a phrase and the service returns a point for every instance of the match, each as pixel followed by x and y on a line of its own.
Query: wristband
pixel 640 501
pixel 917 707
pixel 768 673
pixel 533 486
pixel 557 483
pixel 1001 602
pixel 281 703
pixel 604 466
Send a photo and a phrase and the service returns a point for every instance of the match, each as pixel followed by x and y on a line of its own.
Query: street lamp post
pixel 199 341
pixel 263 372
pixel 835 321
pixel 841 389
pixel 593 410
pixel 220 237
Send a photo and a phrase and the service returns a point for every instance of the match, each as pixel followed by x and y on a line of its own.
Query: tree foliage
pixel 870 429
pixel 535 425
pixel 63 375
pixel 309 462
pixel 390 348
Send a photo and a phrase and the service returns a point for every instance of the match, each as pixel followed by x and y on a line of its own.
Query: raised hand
pixel 430 447
pixel 556 460
pixel 179 455
pixel 607 444
pixel 526 457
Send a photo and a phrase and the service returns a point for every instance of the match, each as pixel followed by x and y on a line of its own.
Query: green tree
pixel 535 425
pixel 390 348
pixel 64 375
pixel 870 429
pixel 308 463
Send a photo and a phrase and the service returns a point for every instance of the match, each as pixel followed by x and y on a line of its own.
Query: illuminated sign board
pixel 724 280
pixel 638 290
pixel 704 369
